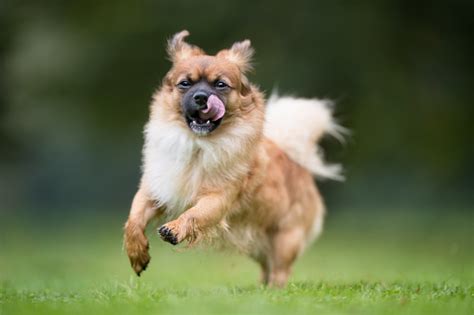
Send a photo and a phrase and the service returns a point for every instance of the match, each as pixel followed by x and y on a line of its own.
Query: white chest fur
pixel 177 164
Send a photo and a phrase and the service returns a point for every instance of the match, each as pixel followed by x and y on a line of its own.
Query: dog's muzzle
pixel 203 111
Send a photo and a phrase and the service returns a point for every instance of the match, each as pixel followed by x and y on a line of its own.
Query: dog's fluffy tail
pixel 296 125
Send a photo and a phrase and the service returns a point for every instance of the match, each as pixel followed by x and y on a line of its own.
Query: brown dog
pixel 220 166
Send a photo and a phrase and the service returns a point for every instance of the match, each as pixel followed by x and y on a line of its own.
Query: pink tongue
pixel 215 109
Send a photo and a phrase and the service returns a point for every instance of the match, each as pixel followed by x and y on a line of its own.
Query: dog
pixel 219 164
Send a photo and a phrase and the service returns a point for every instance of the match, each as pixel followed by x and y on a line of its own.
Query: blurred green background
pixel 76 81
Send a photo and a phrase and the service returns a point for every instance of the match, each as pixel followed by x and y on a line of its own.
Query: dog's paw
pixel 168 235
pixel 139 261
pixel 136 245
pixel 172 232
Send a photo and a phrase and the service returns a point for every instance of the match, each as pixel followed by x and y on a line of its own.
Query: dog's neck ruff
pixel 177 164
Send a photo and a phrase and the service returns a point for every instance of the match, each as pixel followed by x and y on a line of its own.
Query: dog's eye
pixel 184 84
pixel 221 84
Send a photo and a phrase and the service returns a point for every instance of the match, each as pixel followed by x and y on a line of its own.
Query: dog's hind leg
pixel 287 245
pixel 135 240
pixel 262 260
pixel 265 272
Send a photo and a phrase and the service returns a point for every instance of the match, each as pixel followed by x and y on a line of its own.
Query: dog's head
pixel 207 92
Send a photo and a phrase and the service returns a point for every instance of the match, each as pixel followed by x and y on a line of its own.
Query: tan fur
pixel 234 184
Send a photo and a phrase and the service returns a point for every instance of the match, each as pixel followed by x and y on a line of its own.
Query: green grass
pixel 387 264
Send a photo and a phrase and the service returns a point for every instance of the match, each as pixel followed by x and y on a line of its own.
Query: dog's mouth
pixel 202 127
pixel 205 113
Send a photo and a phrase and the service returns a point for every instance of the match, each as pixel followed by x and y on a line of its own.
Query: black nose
pixel 201 99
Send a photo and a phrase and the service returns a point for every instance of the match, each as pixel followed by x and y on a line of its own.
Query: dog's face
pixel 206 92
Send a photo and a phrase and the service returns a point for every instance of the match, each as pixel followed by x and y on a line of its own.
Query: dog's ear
pixel 178 49
pixel 240 54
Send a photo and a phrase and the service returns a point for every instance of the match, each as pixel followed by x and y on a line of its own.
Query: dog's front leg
pixel 135 240
pixel 193 223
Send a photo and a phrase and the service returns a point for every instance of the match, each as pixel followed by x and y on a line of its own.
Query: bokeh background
pixel 76 79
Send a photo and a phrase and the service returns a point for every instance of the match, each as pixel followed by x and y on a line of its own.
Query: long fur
pixel 297 124
pixel 177 163
pixel 249 183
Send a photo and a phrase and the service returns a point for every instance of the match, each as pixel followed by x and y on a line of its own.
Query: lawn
pixel 364 264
